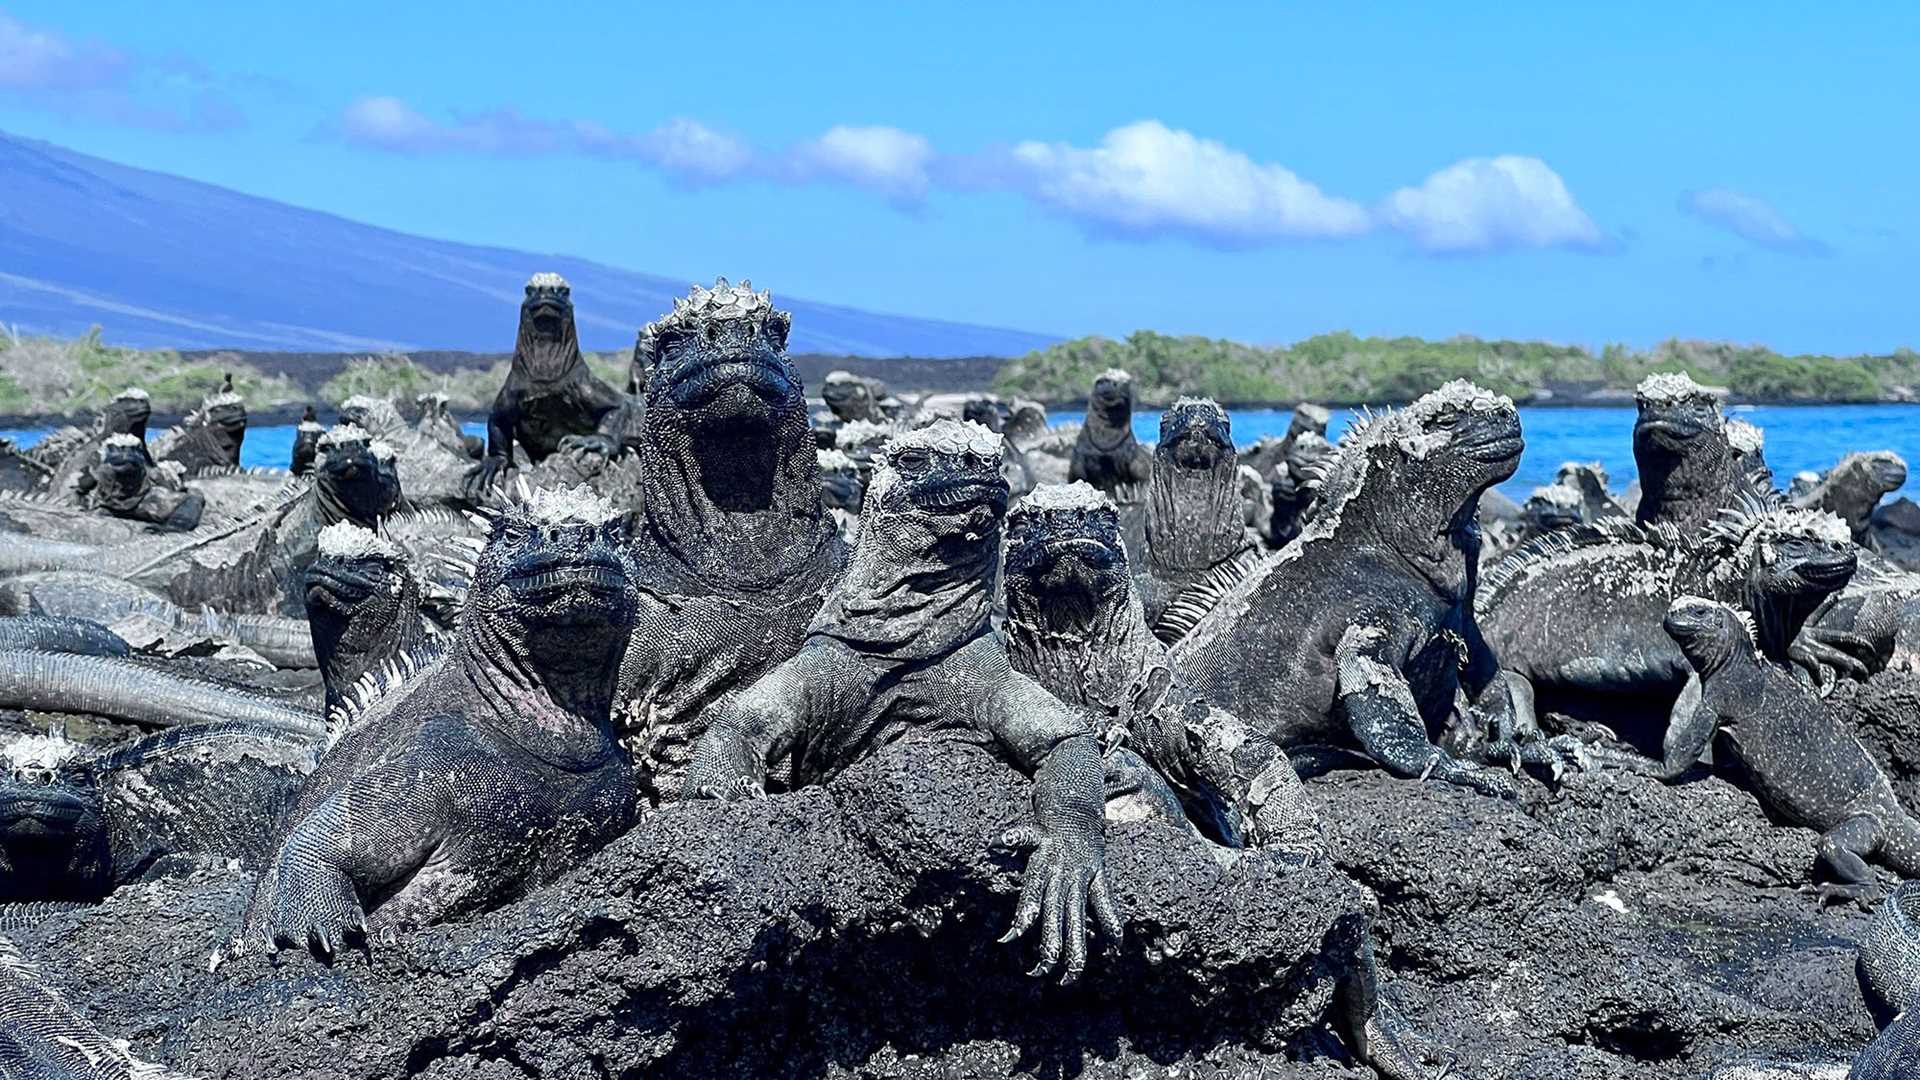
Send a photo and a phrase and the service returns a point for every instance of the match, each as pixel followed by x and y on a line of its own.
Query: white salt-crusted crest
pixel 1670 386
pixel 862 434
pixel 579 505
pixel 225 397
pixel 1199 404
pixel 834 461
pixel 1078 495
pixel 1570 469
pixel 48 752
pixel 1318 415
pixel 1753 520
pixel 949 437
pixel 547 279
pixel 342 434
pixel 382 451
pixel 840 377
pixel 132 393
pixel 1744 437
pixel 1558 495
pixel 118 442
pixel 1114 374
pixel 312 425
pixel 345 540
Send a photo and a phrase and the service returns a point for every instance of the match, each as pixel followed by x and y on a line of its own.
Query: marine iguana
pixel 842 490
pixel 1574 617
pixel 43 1038
pixel 210 436
pixel 53 837
pixel 126 414
pixel 51 633
pixel 850 397
pixel 1749 446
pixel 1106 454
pixel 139 611
pixel 905 642
pixel 306 443
pixel 121 483
pixel 1296 486
pixel 363 604
pixel 1358 632
pixel 993 414
pixel 734 548
pixel 1854 487
pixel 550 392
pixel 431 471
pixel 1075 625
pixel 1687 467
pixel 489 771
pixel 134 691
pixel 1889 965
pixel 1798 756
pixel 1197 543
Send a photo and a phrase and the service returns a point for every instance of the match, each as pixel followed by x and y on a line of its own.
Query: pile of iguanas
pixel 693 589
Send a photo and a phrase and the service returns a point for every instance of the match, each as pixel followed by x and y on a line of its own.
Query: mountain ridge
pixel 165 261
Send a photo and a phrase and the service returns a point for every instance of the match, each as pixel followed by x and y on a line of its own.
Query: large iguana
pixel 1197 542
pixel 905 642
pixel 734 550
pixel 1357 633
pixel 209 437
pixel 1803 761
pixel 1106 454
pixel 550 392
pixel 1076 626
pixel 489 771
pixel 1854 487
pixel 126 414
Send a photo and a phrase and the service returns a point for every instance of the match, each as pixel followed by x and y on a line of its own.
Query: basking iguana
pixel 42 1037
pixel 209 438
pixel 904 643
pixel 550 393
pixel 363 604
pixel 734 550
pixel 1197 542
pixel 306 443
pixel 1076 626
pixel 1106 454
pixel 1360 632
pixel 1854 487
pixel 126 414
pixel 121 483
pixel 1797 755
pixel 489 771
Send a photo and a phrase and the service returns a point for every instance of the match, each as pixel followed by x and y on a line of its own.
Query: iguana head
pixel 555 578
pixel 1112 398
pixel 1065 562
pixel 1861 480
pixel 1789 561
pixel 1709 633
pixel 52 824
pixel 306 443
pixel 1194 514
pixel 1553 506
pixel 121 475
pixel 127 413
pixel 840 480
pixel 852 397
pixel 548 347
pixel 363 604
pixel 355 476
pixel 988 412
pixel 720 357
pixel 937 487
pixel 1674 412
pixel 1419 471
pixel 224 414
pixel 1308 418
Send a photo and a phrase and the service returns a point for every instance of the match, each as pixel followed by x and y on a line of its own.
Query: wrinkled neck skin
pixel 556 704
pixel 534 357
pixel 329 508
pixel 350 646
pixel 911 593
pixel 1083 650
pixel 1684 489
pixel 751 522
pixel 120 492
pixel 1731 676
pixel 1109 427
pixel 1194 517
pixel 1391 518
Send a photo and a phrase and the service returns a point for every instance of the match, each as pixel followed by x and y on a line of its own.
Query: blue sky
pixel 1613 172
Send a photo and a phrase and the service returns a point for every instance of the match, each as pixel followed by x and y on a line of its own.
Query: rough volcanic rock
pixel 1885 714
pixel 833 930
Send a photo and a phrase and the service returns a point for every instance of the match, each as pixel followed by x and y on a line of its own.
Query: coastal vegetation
pixel 1344 369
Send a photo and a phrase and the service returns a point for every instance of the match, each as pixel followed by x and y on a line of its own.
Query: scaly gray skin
pixel 1749 446
pixel 109 600
pixel 20 474
pixel 306 443
pixel 1687 467
pixel 50 633
pixel 549 393
pixel 488 773
pixel 1797 755
pixel 1575 617
pixel 993 414
pixel 121 483
pixel 1075 625
pixel 905 643
pixel 1197 543
pixel 210 437
pixel 135 692
pixel 431 472
pixel 1890 971
pixel 363 605
pixel 43 1038
pixel 437 423
pixel 1357 633
pixel 126 414
pixel 53 834
pixel 1106 454
pixel 1854 487
pixel 1296 486
pixel 734 547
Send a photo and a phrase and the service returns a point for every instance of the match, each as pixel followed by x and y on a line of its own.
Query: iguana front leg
pixel 1690 727
pixel 1066 873
pixel 764 722
pixel 1384 719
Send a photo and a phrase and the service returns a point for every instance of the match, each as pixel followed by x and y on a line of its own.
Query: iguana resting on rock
pixel 1197 543
pixel 905 643
pixel 1798 756
pixel 431 472
pixel 1268 454
pixel 735 551
pixel 1357 632
pixel 51 633
pixel 1296 486
pixel 53 837
pixel 306 443
pixel 121 483
pixel 992 414
pixel 126 414
pixel 210 436
pixel 550 393
pixel 488 772
pixel 1106 454
pixel 1575 616
pixel 43 1038
pixel 1688 468
pixel 363 605
pixel 848 397
pixel 1075 626
pixel 842 489
pixel 1853 488
pixel 437 423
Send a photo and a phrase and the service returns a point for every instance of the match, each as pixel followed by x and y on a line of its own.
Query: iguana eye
pixel 913 460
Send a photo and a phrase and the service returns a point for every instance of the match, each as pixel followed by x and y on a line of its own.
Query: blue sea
pixel 1798 437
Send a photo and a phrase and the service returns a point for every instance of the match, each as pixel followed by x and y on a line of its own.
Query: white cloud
pixel 1491 204
pixel 1751 218
pixel 883 159
pixel 1146 178
pixel 44 69
pixel 33 58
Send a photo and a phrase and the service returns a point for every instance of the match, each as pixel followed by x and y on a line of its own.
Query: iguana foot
pixel 1821 653
pixel 1865 895
pixel 1064 877
pixel 1490 782
pixel 481 480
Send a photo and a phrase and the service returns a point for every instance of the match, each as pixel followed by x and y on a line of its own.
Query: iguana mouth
pixel 963 496
pixel 1673 431
pixel 46 813
pixel 550 579
pixel 337 587
pixel 701 381
pixel 1827 573
pixel 1498 449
